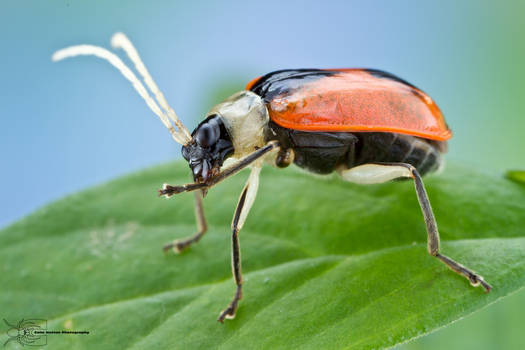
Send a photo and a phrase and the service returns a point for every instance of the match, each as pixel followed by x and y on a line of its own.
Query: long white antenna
pixel 72 51
pixel 120 40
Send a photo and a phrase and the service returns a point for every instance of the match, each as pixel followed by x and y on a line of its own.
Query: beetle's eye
pixel 206 136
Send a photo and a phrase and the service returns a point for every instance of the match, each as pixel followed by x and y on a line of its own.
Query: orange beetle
pixel 367 125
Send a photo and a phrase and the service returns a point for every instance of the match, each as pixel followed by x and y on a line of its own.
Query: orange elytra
pixel 351 100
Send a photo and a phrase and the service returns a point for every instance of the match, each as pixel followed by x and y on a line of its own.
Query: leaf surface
pixel 327 264
pixel 516 175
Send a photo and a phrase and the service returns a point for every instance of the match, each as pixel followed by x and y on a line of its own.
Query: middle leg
pixel 241 212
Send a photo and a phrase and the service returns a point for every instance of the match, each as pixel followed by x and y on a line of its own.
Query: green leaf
pixel 516 175
pixel 327 264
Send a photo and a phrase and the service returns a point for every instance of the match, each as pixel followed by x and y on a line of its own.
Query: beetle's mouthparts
pixel 201 171
pixel 205 173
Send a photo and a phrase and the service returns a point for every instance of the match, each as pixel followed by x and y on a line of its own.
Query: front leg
pixel 169 190
pixel 241 212
pixel 180 245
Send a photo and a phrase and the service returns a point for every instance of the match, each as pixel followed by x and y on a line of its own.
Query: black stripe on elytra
pixel 283 81
pixel 385 75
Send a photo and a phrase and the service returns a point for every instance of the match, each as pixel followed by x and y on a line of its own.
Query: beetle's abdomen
pixel 318 152
pixel 425 155
pixel 324 152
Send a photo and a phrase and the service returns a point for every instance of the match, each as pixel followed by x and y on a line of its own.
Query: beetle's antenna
pixel 114 60
pixel 120 40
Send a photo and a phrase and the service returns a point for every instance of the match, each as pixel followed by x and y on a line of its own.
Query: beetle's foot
pixel 167 190
pixel 177 246
pixel 180 245
pixel 229 312
pixel 476 280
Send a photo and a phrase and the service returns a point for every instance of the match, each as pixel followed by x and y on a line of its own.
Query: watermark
pixel 33 332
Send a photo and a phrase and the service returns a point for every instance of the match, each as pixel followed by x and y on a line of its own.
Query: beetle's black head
pixel 210 146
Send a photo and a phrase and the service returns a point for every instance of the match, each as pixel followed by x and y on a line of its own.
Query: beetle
pixel 367 125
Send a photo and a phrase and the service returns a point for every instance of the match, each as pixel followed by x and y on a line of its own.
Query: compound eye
pixel 206 136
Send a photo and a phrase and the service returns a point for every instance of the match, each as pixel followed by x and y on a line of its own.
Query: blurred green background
pixel 70 125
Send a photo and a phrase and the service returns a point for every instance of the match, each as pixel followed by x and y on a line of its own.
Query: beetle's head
pixel 234 126
pixel 210 145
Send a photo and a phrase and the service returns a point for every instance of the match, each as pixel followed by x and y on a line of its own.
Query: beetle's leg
pixel 241 212
pixel 382 172
pixel 169 190
pixel 179 245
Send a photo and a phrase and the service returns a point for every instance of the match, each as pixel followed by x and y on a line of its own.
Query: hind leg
pixel 382 172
